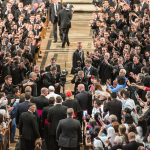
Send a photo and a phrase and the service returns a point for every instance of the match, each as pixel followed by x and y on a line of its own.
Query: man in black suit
pixel 77 58
pixel 85 100
pixel 53 18
pixel 31 82
pixel 45 124
pixel 69 132
pixel 28 128
pixel 20 11
pixel 27 89
pixel 52 78
pixel 89 70
pixel 53 63
pixel 7 87
pixel 133 145
pixel 114 106
pixel 70 103
pixel 55 114
pixel 41 102
pixel 143 5
pixel 64 18
pixel 23 107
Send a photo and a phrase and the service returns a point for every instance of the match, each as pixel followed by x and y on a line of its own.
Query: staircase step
pixel 83 8
pixel 78 1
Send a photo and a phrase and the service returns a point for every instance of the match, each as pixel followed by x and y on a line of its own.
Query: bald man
pixel 27 89
pixel 85 100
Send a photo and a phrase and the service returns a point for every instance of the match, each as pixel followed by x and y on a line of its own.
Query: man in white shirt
pixel 128 103
pixel 96 108
pixel 51 93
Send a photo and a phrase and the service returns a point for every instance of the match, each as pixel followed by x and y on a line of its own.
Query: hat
pixel 68 93
pixel 51 88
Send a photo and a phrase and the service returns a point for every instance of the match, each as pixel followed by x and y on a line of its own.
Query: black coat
pixel 28 127
pixel 69 133
pixel 72 104
pixel 18 13
pixel 55 114
pixel 33 86
pixel 114 107
pixel 132 146
pixel 23 107
pixel 93 72
pixel 64 18
pixel 22 99
pixel 85 100
pixel 41 102
pixel 147 116
pixel 49 80
pixel 105 71
pixel 44 114
pixel 75 58
pixel 52 11
pixel 57 66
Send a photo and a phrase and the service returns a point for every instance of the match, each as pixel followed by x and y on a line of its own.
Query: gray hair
pixel 124 71
pixel 105 94
pixel 113 118
pixel 32 74
pixel 36 66
pixel 118 140
pixel 141 76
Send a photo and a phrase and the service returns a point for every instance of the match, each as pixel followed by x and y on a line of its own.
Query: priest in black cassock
pixel 70 103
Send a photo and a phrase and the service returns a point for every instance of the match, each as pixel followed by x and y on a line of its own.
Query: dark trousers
pixel 29 144
pixel 55 30
pixel 65 36
pixel 53 143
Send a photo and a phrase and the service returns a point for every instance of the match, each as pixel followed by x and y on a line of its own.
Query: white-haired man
pixel 51 93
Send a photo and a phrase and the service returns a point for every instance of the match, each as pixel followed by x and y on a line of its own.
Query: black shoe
pixel 63 47
pixel 68 43
pixel 55 41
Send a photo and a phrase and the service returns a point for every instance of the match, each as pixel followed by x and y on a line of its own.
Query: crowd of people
pixel 111 104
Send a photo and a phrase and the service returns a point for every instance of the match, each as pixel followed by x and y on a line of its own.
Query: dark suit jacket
pixel 23 107
pixel 57 66
pixel 33 86
pixel 145 6
pixel 75 58
pixel 18 13
pixel 68 133
pixel 52 11
pixel 72 104
pixel 41 102
pixel 45 113
pixel 85 100
pixel 28 127
pixel 55 114
pixel 22 99
pixel 114 107
pixel 93 72
pixel 132 146
pixel 64 18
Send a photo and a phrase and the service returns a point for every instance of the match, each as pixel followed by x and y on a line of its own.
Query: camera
pixel 27 50
pixel 78 68
pixel 63 77
pixel 79 78
pixel 69 7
